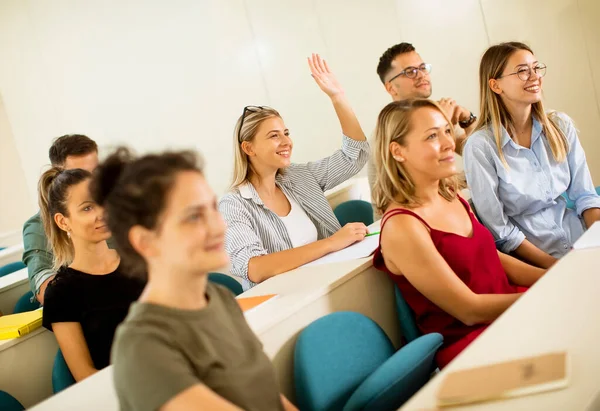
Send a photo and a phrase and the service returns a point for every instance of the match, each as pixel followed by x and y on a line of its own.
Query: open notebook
pixel 17 325
pixel 508 379
pixel 362 249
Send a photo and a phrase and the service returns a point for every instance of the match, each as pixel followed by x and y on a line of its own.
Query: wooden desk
pixel 560 312
pixel 12 287
pixel 305 295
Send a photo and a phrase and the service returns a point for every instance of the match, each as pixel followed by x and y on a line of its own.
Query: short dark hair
pixel 385 61
pixel 70 145
pixel 134 191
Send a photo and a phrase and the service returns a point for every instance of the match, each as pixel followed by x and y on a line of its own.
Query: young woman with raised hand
pixel 277 215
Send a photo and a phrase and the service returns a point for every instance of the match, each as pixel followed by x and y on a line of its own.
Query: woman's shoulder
pixel 483 137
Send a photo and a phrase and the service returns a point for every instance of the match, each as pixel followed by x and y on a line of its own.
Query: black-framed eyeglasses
pixel 247 109
pixel 411 72
pixel 524 73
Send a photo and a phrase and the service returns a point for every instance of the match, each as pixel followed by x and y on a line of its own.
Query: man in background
pixel 405 75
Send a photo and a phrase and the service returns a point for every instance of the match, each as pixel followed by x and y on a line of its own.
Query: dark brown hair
pixel 385 61
pixel 53 191
pixel 70 145
pixel 134 191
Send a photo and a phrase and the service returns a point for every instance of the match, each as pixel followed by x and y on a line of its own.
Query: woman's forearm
pixel 350 125
pixel 266 266
pixel 530 253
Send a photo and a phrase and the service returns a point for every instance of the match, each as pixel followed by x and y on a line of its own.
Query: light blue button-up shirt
pixel 524 199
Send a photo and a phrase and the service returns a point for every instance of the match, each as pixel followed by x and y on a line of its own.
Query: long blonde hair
pixel 494 113
pixel 393 183
pixel 53 190
pixel 249 122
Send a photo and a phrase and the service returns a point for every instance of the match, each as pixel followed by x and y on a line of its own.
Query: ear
pixel 390 89
pixel 143 241
pixel 398 152
pixel 247 148
pixel 495 86
pixel 61 221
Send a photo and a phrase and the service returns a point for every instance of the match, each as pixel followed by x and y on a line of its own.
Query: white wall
pixel 154 74
pixel 15 203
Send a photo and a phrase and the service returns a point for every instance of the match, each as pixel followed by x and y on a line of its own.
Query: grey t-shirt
pixel 159 352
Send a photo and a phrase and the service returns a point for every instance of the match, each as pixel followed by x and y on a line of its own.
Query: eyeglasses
pixel 411 72
pixel 524 73
pixel 247 109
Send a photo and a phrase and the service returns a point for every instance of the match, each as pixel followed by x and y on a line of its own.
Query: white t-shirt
pixel 300 228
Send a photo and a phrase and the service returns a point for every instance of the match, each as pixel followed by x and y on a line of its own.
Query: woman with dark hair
pixel 89 296
pixel 185 344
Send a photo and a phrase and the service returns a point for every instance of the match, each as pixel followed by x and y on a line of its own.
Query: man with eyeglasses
pixel 405 76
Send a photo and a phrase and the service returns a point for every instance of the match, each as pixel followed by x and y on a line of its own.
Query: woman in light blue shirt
pixel 520 160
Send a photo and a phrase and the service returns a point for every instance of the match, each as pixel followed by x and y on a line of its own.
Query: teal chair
pixel 11 268
pixel 354 211
pixel 406 317
pixel 345 361
pixel 226 281
pixel 9 403
pixel 25 303
pixel 61 376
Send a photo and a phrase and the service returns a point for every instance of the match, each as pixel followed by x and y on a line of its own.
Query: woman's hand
pixel 324 78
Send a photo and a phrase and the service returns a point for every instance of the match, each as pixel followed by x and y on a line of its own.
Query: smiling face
pixel 85 219
pixel 402 87
pixel 513 90
pixel 271 147
pixel 190 237
pixel 427 152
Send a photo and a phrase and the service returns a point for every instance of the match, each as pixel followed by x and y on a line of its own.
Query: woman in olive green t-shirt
pixel 185 344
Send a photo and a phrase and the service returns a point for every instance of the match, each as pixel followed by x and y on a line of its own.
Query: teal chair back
pixel 25 303
pixel 226 281
pixel 9 403
pixel 61 376
pixel 11 268
pixel 354 211
pixel 406 317
pixel 345 361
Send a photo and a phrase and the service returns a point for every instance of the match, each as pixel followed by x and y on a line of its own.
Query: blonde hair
pixel 53 190
pixel 494 113
pixel 249 122
pixel 393 183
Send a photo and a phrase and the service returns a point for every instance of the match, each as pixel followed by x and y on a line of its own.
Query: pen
pixel 373 233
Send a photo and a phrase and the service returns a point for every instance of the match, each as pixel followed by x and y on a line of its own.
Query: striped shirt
pixel 254 230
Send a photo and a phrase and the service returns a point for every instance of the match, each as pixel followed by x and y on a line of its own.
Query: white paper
pixel 358 250
pixel 589 239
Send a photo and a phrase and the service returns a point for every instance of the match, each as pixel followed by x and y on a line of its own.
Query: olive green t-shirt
pixel 160 351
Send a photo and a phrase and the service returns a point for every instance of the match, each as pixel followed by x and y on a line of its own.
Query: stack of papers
pixel 589 239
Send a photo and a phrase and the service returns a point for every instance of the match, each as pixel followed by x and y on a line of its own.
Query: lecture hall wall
pixel 154 74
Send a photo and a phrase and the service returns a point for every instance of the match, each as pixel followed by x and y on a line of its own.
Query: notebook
pixel 248 303
pixel 589 239
pixel 504 380
pixel 17 325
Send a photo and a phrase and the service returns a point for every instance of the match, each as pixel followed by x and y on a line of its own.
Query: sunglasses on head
pixel 247 109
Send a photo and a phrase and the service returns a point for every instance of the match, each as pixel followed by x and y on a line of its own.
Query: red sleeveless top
pixel 474 260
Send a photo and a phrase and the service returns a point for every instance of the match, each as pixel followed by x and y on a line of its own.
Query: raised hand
pixel 323 76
